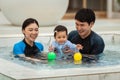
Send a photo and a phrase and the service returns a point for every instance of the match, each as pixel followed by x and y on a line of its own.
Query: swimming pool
pixel 108 67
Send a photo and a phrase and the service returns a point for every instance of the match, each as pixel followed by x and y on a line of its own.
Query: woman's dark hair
pixel 85 15
pixel 60 28
pixel 28 22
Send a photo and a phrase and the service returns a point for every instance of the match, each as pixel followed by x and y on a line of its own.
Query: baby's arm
pixel 51 48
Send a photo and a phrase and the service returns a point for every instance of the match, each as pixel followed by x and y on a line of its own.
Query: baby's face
pixel 61 37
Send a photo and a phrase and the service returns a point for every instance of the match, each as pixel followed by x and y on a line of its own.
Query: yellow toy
pixel 77 62
pixel 77 56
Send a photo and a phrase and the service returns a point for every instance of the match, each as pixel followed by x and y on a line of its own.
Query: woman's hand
pixel 36 60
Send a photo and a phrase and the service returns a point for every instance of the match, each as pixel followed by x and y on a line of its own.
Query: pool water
pixel 111 57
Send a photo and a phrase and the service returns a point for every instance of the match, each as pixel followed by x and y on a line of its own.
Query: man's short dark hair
pixel 85 15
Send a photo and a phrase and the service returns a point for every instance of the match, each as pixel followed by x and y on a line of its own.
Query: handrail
pixel 21 35
pixel 51 35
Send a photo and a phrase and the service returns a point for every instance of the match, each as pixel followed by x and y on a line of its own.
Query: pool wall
pixel 18 72
pixel 23 73
pixel 12 71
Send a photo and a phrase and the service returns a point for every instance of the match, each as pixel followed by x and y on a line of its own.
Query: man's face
pixel 83 28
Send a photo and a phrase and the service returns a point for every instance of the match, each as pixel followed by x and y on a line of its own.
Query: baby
pixel 63 48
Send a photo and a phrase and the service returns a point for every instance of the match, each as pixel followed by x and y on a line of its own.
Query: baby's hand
pixel 67 50
pixel 79 46
pixel 51 48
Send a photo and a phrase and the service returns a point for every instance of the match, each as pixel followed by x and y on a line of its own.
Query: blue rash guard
pixel 23 48
pixel 92 45
pixel 60 48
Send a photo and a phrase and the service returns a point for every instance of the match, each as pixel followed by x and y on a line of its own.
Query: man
pixel 93 45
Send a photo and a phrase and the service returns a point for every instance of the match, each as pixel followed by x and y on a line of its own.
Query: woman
pixel 27 48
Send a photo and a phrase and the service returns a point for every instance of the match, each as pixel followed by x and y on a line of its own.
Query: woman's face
pixel 83 28
pixel 31 32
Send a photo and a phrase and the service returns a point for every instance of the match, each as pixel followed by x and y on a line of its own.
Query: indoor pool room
pixel 58 12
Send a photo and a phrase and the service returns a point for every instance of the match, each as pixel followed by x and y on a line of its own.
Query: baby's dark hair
pixel 85 15
pixel 28 21
pixel 60 28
